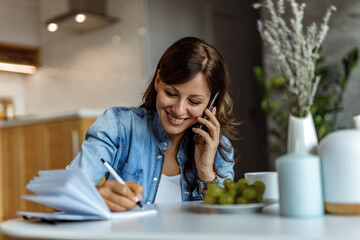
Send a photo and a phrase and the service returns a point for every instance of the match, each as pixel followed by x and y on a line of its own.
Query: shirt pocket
pixel 130 172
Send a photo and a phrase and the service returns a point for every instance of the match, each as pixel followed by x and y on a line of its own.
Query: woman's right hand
pixel 119 197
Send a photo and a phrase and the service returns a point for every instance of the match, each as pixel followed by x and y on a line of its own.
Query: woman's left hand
pixel 206 145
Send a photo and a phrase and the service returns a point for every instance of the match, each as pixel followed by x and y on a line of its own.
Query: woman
pixel 152 147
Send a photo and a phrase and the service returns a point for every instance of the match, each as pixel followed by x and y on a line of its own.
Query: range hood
pixel 82 15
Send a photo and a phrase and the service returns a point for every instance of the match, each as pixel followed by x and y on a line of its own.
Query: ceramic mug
pixel 271 181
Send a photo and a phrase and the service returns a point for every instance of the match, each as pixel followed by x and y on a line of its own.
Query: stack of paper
pixel 72 193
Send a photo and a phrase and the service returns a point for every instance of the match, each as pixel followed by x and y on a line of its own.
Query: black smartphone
pixel 210 106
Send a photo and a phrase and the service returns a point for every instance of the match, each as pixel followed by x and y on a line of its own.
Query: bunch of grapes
pixel 239 192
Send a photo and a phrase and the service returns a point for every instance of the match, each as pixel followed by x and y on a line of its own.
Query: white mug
pixel 271 181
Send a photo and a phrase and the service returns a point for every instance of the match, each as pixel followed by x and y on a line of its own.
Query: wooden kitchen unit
pixel 32 144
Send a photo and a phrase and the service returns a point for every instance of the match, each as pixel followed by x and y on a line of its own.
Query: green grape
pixel 242 183
pixel 259 198
pixel 240 192
pixel 226 198
pixel 249 193
pixel 210 199
pixel 227 181
pixel 241 200
pixel 231 186
pixel 232 191
pixel 259 186
pixel 214 190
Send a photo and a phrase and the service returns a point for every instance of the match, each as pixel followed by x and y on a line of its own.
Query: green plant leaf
pixel 277 82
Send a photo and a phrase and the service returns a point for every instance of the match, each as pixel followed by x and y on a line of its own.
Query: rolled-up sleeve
pixel 225 167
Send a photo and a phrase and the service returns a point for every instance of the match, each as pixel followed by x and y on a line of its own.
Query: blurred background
pixel 107 59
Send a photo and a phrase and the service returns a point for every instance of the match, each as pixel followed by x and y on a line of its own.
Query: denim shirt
pixel 132 140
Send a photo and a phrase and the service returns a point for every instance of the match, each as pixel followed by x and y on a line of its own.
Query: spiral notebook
pixel 74 197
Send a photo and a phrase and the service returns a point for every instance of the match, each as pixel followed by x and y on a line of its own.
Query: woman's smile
pixel 175 120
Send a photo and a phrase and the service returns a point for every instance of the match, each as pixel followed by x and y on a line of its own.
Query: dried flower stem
pixel 295 51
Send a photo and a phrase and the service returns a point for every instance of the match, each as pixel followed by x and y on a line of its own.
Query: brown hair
pixel 181 62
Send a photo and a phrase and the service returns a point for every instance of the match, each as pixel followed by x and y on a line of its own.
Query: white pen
pixel 118 178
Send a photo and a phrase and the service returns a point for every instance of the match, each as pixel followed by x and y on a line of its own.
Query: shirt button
pixel 165 143
pixel 155 179
pixel 159 156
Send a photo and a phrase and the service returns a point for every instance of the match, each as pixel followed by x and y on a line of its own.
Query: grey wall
pixel 343 35
pixel 169 21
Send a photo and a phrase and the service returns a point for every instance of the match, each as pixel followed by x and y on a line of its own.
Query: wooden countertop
pixel 41 118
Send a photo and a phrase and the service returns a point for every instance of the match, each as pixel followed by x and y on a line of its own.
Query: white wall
pixel 19 22
pixel 20 25
pixel 13 86
pixel 96 69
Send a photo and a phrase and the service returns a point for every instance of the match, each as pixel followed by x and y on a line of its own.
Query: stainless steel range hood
pixel 82 15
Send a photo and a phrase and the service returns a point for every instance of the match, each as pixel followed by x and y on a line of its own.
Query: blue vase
pixel 300 185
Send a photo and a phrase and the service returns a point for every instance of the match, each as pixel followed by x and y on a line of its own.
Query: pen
pixel 118 178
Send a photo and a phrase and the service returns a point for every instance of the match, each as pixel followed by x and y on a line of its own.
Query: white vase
pixel 302 135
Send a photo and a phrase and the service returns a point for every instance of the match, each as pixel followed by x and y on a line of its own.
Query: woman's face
pixel 180 105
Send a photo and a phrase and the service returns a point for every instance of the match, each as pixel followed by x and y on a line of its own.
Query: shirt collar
pixel 159 133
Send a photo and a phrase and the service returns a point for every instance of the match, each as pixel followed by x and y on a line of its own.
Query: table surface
pixel 191 221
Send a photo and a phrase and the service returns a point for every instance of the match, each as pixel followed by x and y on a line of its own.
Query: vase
pixel 300 181
pixel 302 135
pixel 300 185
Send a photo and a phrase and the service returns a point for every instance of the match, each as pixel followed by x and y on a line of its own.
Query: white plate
pixel 239 208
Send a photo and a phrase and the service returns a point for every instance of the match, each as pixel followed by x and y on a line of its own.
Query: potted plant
pixel 296 52
pixel 328 101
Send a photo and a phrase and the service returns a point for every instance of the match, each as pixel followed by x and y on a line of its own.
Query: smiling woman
pixel 153 147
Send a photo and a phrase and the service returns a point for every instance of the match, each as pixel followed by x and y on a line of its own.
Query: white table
pixel 187 221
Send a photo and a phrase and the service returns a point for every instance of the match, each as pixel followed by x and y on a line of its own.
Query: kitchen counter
pixel 42 118
pixel 32 143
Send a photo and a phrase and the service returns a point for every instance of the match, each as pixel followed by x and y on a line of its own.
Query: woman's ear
pixel 157 80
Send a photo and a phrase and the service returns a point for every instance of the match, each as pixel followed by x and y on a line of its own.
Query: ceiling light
pixel 52 27
pixel 80 18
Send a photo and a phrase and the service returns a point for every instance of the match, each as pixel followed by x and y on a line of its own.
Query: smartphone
pixel 210 106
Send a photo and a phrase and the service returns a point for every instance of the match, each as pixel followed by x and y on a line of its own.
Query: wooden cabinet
pixel 27 148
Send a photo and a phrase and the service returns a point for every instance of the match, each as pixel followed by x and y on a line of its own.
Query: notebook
pixel 72 194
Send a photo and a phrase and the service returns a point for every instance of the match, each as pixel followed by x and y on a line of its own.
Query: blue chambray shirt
pixel 132 140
